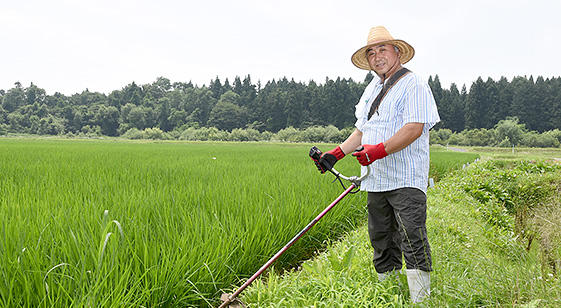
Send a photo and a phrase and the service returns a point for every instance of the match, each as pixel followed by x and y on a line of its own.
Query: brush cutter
pixel 231 300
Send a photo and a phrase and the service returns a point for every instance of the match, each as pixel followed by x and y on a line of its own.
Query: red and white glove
pixel 329 158
pixel 370 153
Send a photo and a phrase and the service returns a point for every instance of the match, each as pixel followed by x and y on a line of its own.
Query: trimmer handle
pixel 323 165
pixel 315 155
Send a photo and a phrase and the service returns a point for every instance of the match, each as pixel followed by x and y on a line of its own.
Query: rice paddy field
pixel 147 224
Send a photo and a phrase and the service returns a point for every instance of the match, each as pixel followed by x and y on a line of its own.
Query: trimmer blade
pixel 235 303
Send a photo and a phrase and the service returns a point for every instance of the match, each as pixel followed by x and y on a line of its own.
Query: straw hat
pixel 380 35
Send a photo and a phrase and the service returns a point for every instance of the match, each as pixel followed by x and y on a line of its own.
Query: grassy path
pixel 476 264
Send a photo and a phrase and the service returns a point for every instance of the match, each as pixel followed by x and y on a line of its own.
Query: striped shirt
pixel 409 100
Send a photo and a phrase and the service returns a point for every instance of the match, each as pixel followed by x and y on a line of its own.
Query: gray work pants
pixel 396 226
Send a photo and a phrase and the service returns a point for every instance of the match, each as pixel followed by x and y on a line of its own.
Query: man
pixel 392 126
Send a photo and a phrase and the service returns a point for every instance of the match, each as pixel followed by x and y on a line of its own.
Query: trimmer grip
pixel 315 153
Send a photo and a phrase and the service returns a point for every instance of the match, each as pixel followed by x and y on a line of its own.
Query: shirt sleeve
pixel 419 105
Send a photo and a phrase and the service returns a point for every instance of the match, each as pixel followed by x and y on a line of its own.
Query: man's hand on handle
pixel 329 158
pixel 370 153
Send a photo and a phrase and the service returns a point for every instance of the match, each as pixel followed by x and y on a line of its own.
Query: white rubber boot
pixel 419 284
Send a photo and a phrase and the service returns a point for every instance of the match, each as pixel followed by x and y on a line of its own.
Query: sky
pixel 68 46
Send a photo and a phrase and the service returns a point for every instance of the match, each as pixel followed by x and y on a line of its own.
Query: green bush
pixel 319 134
pixel 509 128
pixel 537 140
pixel 91 130
pixel 440 136
pixel 505 143
pixel 148 133
pixel 480 137
pixel 506 133
pixel 266 136
pixel 515 186
pixel 204 134
pixel 556 133
pixel 458 139
pixel 500 136
pixel 346 132
pixel 133 133
pixel 153 133
pixel 248 134
pixel 289 134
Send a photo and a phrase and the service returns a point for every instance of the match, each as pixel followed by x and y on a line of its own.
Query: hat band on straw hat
pixel 378 36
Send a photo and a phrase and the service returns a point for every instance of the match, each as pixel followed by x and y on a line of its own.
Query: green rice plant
pixel 111 223
pixel 102 223
pixel 444 162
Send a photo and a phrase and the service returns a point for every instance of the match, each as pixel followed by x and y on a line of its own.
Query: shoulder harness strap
pixel 387 86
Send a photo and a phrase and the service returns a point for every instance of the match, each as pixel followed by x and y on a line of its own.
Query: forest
pixel 279 104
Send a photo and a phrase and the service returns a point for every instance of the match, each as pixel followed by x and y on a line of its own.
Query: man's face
pixel 382 58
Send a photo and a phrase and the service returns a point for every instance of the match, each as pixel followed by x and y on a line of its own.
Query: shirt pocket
pixel 387 112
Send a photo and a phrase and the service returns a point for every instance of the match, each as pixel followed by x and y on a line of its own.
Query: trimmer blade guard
pixel 235 303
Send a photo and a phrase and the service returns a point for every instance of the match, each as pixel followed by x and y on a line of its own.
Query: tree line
pixel 174 107
pixel 506 133
pixel 536 104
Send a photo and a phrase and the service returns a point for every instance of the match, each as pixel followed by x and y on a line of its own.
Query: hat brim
pixel 406 53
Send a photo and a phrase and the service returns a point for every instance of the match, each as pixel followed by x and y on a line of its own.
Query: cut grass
pixel 476 264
